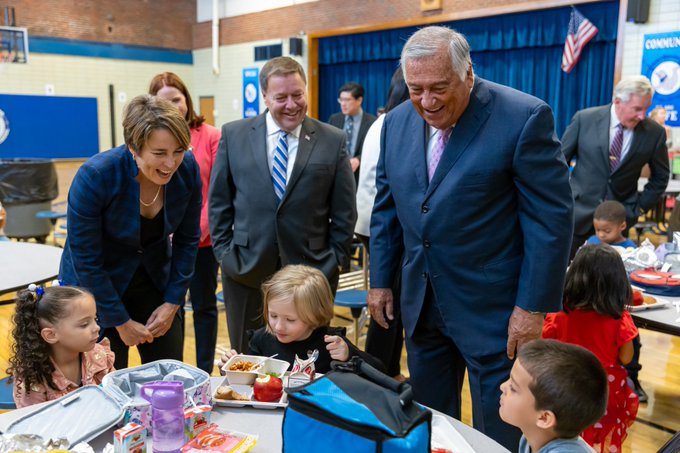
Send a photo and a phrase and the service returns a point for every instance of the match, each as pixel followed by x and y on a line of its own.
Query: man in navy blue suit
pixel 474 191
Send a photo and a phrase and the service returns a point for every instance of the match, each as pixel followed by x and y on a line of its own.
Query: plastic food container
pixel 270 366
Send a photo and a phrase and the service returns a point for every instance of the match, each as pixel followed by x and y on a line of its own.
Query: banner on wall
pixel 251 95
pixel 661 64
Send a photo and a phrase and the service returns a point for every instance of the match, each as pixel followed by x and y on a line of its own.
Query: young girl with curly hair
pixel 55 347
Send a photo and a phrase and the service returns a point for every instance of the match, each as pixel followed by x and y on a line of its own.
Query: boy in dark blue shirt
pixel 609 221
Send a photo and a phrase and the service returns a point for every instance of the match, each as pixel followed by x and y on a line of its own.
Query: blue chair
pixel 6 398
pixel 220 297
pixel 52 216
pixel 355 300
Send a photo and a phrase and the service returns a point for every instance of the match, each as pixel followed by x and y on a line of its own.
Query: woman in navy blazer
pixel 133 217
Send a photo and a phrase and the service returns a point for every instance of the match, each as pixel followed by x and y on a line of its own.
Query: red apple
pixel 267 389
pixel 638 299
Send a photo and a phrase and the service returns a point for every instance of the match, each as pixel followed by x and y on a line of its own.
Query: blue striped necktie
pixel 280 165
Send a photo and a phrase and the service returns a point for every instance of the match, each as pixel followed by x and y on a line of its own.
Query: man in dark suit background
pixel 611 143
pixel 281 192
pixel 483 221
pixel 602 174
pixel 353 120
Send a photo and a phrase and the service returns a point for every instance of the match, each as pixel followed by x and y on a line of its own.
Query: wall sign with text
pixel 251 94
pixel 661 64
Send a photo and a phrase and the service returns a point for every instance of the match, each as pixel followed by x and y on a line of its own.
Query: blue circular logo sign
pixel 4 127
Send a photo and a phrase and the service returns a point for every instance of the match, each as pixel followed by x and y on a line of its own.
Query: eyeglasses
pixel 345 100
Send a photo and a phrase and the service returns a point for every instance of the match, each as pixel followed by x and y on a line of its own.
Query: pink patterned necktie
pixel 616 148
pixel 438 150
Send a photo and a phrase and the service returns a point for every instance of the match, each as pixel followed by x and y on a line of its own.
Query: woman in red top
pixel 594 316
pixel 204 141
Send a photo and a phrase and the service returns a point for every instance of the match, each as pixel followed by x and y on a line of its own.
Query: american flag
pixel 580 32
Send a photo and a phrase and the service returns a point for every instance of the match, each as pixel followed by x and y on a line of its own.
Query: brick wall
pixel 326 15
pixel 158 23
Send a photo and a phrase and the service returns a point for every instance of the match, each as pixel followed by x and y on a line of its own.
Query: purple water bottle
pixel 167 414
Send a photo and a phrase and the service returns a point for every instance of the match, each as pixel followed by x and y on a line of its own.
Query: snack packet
pixel 130 438
pixel 31 442
pixel 196 419
pixel 303 370
pixel 216 439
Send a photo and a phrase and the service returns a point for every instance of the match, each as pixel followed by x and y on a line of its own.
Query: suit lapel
pixel 306 143
pixel 466 129
pixel 603 125
pixel 258 148
pixel 419 133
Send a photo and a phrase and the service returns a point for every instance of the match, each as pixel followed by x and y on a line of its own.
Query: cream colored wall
pixel 227 87
pixel 88 77
pixel 664 16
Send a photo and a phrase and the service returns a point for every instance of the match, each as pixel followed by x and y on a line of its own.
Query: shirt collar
pixel 273 128
pixel 434 130
pixel 91 363
pixel 613 119
pixel 357 118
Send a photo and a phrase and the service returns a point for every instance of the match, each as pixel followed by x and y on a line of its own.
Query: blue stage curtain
pixel 521 50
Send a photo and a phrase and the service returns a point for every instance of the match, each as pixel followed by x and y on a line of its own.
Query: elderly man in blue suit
pixel 473 190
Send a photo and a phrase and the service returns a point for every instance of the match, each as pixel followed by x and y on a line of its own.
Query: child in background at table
pixel 555 391
pixel 595 294
pixel 609 221
pixel 298 308
pixel 55 347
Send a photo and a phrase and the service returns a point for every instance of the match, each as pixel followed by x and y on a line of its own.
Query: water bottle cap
pixel 167 399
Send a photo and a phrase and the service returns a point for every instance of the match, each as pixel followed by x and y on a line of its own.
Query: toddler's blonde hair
pixel 309 289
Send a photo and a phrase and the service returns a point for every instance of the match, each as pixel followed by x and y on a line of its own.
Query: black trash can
pixel 27 186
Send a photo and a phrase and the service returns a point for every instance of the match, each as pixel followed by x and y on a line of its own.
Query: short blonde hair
pixel 145 114
pixel 310 290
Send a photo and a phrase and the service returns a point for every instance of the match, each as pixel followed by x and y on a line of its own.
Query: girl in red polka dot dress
pixel 594 316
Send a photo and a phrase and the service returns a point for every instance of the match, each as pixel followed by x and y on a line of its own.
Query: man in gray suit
pixel 611 144
pixel 281 192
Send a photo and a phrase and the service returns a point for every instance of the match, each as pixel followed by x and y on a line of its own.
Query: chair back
pixel 6 396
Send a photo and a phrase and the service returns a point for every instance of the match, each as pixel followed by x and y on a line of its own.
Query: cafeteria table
pixel 23 263
pixel 665 319
pixel 266 423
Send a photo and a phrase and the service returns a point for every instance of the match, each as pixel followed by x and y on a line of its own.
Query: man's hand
pixel 380 303
pixel 133 333
pixel 355 164
pixel 522 328
pixel 161 319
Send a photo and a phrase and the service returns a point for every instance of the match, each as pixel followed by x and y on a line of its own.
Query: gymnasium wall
pixel 156 23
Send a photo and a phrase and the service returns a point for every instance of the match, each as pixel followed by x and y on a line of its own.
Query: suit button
pixel 140 251
pixel 424 275
pixel 427 244
pixel 425 209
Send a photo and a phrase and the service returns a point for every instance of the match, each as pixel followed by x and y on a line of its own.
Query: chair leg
pixel 363 319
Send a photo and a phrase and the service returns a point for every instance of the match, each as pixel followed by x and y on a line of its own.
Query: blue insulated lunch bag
pixel 355 408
